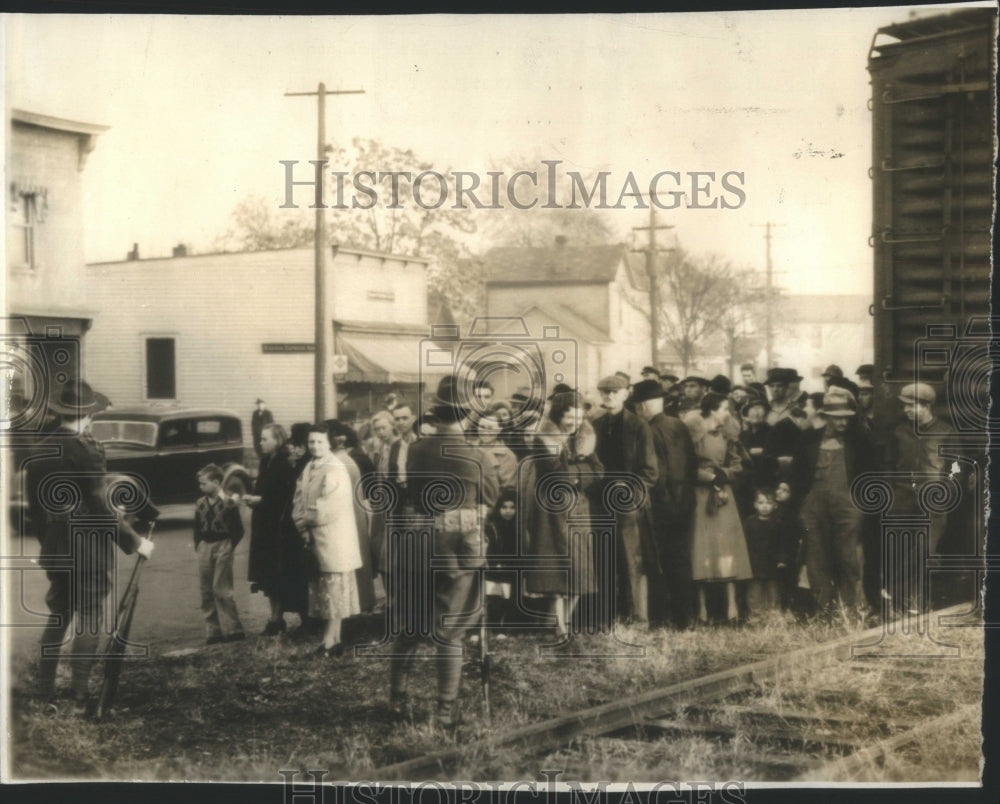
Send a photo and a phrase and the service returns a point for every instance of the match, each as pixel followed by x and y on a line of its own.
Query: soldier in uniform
pixel 915 451
pixel 455 484
pixel 79 565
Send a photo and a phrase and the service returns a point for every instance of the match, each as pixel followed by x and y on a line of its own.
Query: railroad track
pixel 755 711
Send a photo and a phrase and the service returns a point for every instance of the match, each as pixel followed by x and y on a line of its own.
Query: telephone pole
pixel 319 358
pixel 768 297
pixel 654 289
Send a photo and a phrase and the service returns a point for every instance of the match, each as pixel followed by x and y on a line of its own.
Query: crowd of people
pixel 681 503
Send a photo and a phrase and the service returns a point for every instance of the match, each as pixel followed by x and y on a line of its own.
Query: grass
pixel 243 712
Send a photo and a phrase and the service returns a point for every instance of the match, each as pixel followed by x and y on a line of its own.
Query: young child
pixel 792 538
pixel 217 530
pixel 763 535
pixel 501 539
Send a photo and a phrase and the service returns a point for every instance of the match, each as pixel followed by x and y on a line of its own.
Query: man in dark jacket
pixel 258 421
pixel 79 559
pixel 825 465
pixel 625 447
pixel 672 499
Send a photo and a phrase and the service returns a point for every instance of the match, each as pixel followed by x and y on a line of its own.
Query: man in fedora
pixel 455 485
pixel 825 465
pixel 625 447
pixel 79 562
pixel 672 501
pixel 258 421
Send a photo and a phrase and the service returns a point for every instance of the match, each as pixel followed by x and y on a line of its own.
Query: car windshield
pixel 109 431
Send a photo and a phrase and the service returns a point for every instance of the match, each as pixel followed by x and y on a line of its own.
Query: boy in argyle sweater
pixel 217 530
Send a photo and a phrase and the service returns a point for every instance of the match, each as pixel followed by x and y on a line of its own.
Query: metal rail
pixel 637 709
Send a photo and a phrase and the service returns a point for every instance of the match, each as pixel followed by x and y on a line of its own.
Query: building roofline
pixel 380 255
pixel 57 123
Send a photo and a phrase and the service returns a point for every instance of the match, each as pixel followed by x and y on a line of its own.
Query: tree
pixel 538 227
pixel 256 226
pixel 406 227
pixel 704 297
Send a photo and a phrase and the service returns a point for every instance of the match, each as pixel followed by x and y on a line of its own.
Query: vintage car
pixel 167 446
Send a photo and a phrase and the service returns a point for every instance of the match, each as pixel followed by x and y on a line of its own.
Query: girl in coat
pixel 564 456
pixel 718 547
pixel 272 494
pixel 323 512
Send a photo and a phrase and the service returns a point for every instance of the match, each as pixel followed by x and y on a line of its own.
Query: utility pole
pixel 654 288
pixel 768 297
pixel 319 357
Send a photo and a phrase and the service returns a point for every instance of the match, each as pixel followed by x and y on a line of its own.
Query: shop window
pixel 161 369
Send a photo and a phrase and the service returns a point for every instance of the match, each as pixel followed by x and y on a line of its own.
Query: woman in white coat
pixel 323 512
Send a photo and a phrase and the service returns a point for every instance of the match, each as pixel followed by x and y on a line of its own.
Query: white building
pixel 594 296
pixel 221 330
pixel 46 303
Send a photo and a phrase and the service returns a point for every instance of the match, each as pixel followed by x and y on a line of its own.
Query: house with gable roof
pixel 594 295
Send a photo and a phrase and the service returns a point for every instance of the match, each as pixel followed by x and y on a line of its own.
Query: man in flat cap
pixel 830 372
pixel 825 465
pixel 77 593
pixel 672 502
pixel 625 447
pixel 777 386
pixel 916 453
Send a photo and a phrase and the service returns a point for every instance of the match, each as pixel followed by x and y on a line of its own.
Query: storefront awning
pixel 382 358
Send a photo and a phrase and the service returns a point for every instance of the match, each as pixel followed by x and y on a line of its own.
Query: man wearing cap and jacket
pixel 625 446
pixel 825 465
pixel 672 500
pixel 79 562
pixel 258 421
pixel 915 452
pixel 455 484
pixel 777 385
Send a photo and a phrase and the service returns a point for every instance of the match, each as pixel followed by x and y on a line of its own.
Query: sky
pixel 199 119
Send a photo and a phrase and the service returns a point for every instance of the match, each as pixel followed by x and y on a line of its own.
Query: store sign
pixel 339 364
pixel 287 348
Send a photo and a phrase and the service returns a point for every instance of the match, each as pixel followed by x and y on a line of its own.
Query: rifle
pixel 485 663
pixel 114 650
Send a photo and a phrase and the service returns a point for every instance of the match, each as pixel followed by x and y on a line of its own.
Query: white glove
pixel 145 548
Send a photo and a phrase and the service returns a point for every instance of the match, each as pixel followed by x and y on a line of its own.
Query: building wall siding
pixel 221 309
pixel 50 159
pixel 587 301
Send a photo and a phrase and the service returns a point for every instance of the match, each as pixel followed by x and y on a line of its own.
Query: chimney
pixel 560 262
pixel 134 253
pixel 180 250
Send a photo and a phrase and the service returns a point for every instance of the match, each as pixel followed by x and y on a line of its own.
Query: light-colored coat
pixel 324 490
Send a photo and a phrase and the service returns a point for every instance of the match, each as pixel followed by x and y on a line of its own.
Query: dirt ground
pixel 168 614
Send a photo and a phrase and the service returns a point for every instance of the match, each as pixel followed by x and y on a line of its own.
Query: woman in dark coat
pixel 554 497
pixel 294 590
pixel 271 495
